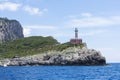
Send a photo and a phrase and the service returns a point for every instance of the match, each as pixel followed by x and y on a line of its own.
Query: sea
pixel 109 72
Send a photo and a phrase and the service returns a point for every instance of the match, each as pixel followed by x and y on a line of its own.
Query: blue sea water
pixel 110 72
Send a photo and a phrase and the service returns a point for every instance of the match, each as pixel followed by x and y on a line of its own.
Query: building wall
pixel 76 41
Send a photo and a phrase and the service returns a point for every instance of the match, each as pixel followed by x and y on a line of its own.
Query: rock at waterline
pixel 70 56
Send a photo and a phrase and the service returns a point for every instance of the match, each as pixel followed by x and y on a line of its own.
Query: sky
pixel 98 21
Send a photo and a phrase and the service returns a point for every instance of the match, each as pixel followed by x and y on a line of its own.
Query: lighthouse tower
pixel 76 40
pixel 76 33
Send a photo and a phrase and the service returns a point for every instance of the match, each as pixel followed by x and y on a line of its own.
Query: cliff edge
pixel 10 30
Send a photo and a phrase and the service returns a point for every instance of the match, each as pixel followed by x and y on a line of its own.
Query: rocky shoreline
pixel 11 30
pixel 71 56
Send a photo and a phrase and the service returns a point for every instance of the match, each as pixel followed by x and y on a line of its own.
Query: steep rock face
pixel 10 30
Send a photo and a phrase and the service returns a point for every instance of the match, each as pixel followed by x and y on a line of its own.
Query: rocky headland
pixel 37 50
pixel 69 56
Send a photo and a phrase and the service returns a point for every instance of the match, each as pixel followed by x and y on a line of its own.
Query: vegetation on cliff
pixel 26 46
pixel 30 46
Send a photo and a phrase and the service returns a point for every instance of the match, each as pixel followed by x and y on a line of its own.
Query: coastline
pixel 68 57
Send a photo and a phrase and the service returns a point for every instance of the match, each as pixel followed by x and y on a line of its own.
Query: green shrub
pixel 31 45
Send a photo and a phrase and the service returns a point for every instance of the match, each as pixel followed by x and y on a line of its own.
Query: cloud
pixel 86 14
pixel 12 6
pixel 26 31
pixel 41 27
pixel 94 21
pixel 43 30
pixel 80 15
pixel 34 10
pixel 58 32
pixel 94 32
pixel 9 6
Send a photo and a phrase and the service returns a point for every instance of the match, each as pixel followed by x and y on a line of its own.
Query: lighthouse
pixel 76 33
pixel 76 40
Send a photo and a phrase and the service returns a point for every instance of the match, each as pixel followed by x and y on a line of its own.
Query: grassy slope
pixel 27 46
pixel 30 46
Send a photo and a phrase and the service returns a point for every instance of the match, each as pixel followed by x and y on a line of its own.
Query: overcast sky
pixel 98 21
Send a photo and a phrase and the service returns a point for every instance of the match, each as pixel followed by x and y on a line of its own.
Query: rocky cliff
pixel 56 54
pixel 70 56
pixel 10 30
